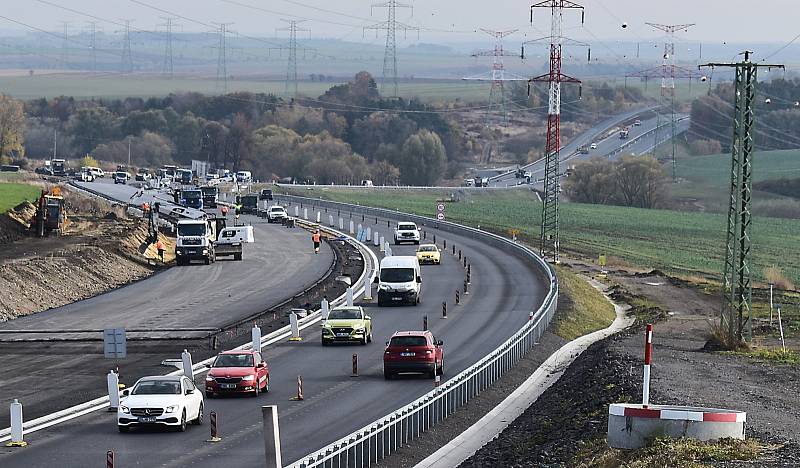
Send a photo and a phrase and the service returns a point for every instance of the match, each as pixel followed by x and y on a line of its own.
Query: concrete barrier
pixel 631 426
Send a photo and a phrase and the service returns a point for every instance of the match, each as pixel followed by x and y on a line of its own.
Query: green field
pixel 12 194
pixel 707 179
pixel 674 241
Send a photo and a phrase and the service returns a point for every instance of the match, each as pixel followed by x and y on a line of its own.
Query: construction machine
pixel 51 213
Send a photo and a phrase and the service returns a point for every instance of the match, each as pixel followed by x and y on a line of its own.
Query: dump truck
pixel 210 196
pixel 248 202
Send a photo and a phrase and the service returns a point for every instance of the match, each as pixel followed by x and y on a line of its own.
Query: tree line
pixel 348 134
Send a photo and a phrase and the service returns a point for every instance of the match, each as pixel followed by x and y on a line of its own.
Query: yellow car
pixel 429 253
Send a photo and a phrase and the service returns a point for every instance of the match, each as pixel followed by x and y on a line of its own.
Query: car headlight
pixel 209 378
pixel 358 330
pixel 248 378
pixel 171 409
pixel 125 409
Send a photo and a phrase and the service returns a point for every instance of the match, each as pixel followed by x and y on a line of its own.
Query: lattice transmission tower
pixel 291 71
pixel 168 69
pixel 668 72
pixel 127 55
pixel 222 56
pixel 65 45
pixel 735 314
pixel 498 74
pixel 93 44
pixel 549 235
pixel 391 25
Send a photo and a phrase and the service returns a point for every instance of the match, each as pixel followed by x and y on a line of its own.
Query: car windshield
pixel 191 229
pixel 209 190
pixel 277 209
pixel 121 175
pixel 428 248
pixel 397 275
pixel 344 314
pixel 192 194
pixel 406 227
pixel 234 360
pixel 157 387
pixel 408 341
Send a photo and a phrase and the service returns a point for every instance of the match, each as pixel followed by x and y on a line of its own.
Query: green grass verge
pixel 777 356
pixel 12 194
pixel 677 242
pixel 582 309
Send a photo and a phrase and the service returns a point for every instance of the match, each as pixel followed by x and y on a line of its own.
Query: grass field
pixel 583 310
pixel 677 242
pixel 12 194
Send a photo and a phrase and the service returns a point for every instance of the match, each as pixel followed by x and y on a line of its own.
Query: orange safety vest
pixel 145 206
pixel 159 245
pixel 315 237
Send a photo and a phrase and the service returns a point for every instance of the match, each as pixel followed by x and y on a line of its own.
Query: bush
pixel 88 161
pixel 774 274
pixel 704 147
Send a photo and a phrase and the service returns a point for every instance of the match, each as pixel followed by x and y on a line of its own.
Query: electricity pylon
pixel 548 238
pixel 498 75
pixel 291 71
pixel 735 314
pixel 93 44
pixel 168 69
pixel 65 45
pixel 127 55
pixel 668 72
pixel 222 57
pixel 391 25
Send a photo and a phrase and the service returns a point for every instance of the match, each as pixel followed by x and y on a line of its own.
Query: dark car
pixel 265 194
pixel 413 352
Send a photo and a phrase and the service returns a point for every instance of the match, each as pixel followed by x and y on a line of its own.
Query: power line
pixel 391 25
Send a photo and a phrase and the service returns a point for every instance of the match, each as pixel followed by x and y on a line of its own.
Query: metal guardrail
pixel 377 440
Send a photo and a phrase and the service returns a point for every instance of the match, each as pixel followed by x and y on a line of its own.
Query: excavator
pixel 51 213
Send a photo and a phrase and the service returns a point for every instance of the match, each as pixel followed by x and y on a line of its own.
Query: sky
pixel 442 21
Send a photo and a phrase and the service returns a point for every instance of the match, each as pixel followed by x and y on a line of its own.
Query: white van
pixel 399 280
pixel 244 176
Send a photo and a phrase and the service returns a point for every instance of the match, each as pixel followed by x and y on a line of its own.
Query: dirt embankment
pixel 100 250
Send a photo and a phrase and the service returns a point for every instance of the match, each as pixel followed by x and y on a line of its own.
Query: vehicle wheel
pixel 199 420
pixel 210 395
pixel 387 375
pixel 432 373
pixel 369 337
pixel 325 343
pixel 182 427
pixel 123 429
pixel 237 257
pixel 266 386
pixel 208 261
pixel 364 340
pixel 441 367
pixel 416 242
pixel 256 391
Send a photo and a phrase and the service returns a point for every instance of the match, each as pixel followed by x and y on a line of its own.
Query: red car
pixel 237 372
pixel 413 351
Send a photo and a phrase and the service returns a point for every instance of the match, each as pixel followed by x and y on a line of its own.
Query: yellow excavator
pixel 51 214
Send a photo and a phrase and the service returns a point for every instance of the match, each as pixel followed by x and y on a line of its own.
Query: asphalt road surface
pixel 276 266
pixel 504 290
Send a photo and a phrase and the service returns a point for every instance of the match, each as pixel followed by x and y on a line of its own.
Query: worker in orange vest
pixel 160 248
pixel 145 207
pixel 316 238
pixel 224 210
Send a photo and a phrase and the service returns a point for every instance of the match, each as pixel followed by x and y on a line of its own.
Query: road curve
pixel 504 290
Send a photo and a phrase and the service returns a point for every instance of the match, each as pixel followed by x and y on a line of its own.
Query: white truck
pixel 209 239
pixel 406 231
pixel 399 281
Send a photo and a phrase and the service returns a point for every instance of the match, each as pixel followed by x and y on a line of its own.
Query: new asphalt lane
pixel 504 290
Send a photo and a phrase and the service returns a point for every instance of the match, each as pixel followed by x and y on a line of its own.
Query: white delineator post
pixel 780 327
pixel 341 224
pixel 376 238
pixel 305 214
pixel 350 296
pixel 112 383
pixel 770 304
pixel 648 354
pixel 256 336
pixel 318 215
pixel 367 287
pixel 15 409
pixel 382 244
pixel 352 227
pixel 296 211
pixel 295 327
pixel 330 220
pixel 186 359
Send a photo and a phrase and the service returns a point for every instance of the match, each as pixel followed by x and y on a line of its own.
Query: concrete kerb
pixel 200 368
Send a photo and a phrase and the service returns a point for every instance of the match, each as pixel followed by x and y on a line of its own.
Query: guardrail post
pixel 112 383
pixel 256 338
pixel 272 437
pixel 15 411
pixel 387 251
pixel 186 359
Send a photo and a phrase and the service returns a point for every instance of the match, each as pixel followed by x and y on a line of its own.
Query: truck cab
pixel 249 203
pixel 192 198
pixel 210 195
pixel 195 241
pixel 59 167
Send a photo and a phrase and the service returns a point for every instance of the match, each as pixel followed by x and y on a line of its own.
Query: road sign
pixel 114 346
pixel 440 207
pixel 440 216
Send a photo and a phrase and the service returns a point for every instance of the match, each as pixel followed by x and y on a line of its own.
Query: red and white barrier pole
pixel 648 354
pixel 214 434
pixel 299 396
pixel 110 459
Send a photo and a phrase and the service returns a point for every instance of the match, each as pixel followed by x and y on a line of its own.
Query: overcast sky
pixel 717 21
